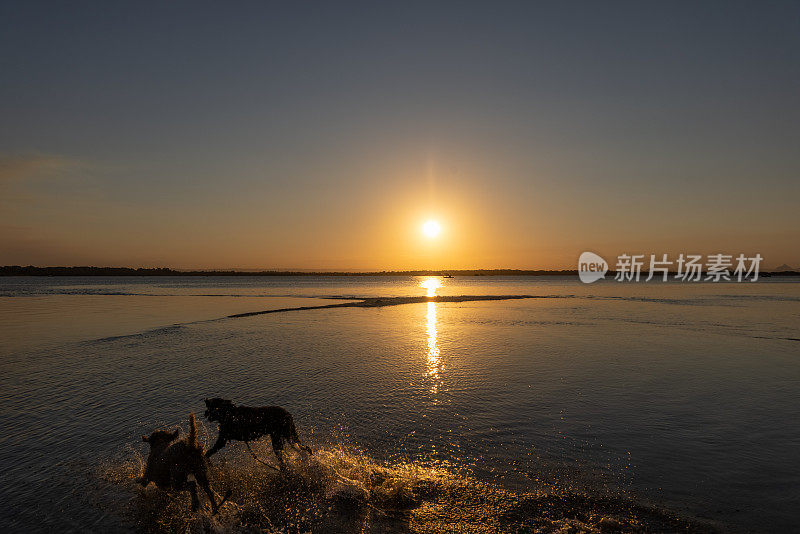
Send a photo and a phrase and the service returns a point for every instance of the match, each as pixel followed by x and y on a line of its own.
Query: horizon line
pixel 86 270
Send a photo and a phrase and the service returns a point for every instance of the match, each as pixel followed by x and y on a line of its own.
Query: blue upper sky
pixel 316 134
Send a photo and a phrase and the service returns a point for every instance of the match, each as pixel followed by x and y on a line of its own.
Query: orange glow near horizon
pixel 395 228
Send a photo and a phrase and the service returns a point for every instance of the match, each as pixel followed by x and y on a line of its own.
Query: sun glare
pixel 431 228
pixel 431 284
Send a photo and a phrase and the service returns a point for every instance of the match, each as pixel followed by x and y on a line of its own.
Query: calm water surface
pixel 681 397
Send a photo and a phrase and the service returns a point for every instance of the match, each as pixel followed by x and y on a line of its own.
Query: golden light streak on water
pixel 431 283
pixel 434 363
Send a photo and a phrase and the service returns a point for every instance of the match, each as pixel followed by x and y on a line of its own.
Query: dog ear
pixel 145 438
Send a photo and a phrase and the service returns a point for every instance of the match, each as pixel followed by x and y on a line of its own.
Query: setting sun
pixel 431 228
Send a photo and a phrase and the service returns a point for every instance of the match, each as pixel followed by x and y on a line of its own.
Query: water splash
pixel 342 489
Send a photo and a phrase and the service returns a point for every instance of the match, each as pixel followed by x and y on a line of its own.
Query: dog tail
pixel 192 440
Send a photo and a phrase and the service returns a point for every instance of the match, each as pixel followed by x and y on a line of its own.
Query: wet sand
pixel 392 301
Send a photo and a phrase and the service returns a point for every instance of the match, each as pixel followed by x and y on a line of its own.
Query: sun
pixel 431 228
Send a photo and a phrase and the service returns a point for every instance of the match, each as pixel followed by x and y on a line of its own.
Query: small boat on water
pixel 447 276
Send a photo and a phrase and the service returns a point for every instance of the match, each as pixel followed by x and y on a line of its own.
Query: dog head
pixel 160 438
pixel 216 408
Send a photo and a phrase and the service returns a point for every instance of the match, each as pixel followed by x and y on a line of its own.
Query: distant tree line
pixel 30 270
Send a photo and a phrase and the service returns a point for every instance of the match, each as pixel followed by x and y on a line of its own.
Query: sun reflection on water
pixel 433 361
pixel 431 284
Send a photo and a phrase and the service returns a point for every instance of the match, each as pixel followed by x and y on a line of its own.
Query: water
pixel 659 406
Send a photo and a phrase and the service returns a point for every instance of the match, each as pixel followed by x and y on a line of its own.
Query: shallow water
pixel 662 406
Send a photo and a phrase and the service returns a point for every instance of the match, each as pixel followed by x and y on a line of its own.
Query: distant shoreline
pixel 16 270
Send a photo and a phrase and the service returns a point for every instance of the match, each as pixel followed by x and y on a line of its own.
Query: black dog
pixel 170 463
pixel 243 423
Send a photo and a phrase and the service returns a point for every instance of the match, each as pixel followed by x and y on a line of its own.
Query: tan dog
pixel 170 463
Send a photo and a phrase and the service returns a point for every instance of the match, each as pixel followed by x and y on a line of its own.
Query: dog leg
pixel 179 481
pixel 203 481
pixel 302 448
pixel 277 447
pixel 217 446
pixel 190 484
pixel 215 506
pixel 294 439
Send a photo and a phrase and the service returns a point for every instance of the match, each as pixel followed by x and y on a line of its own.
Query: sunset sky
pixel 323 135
